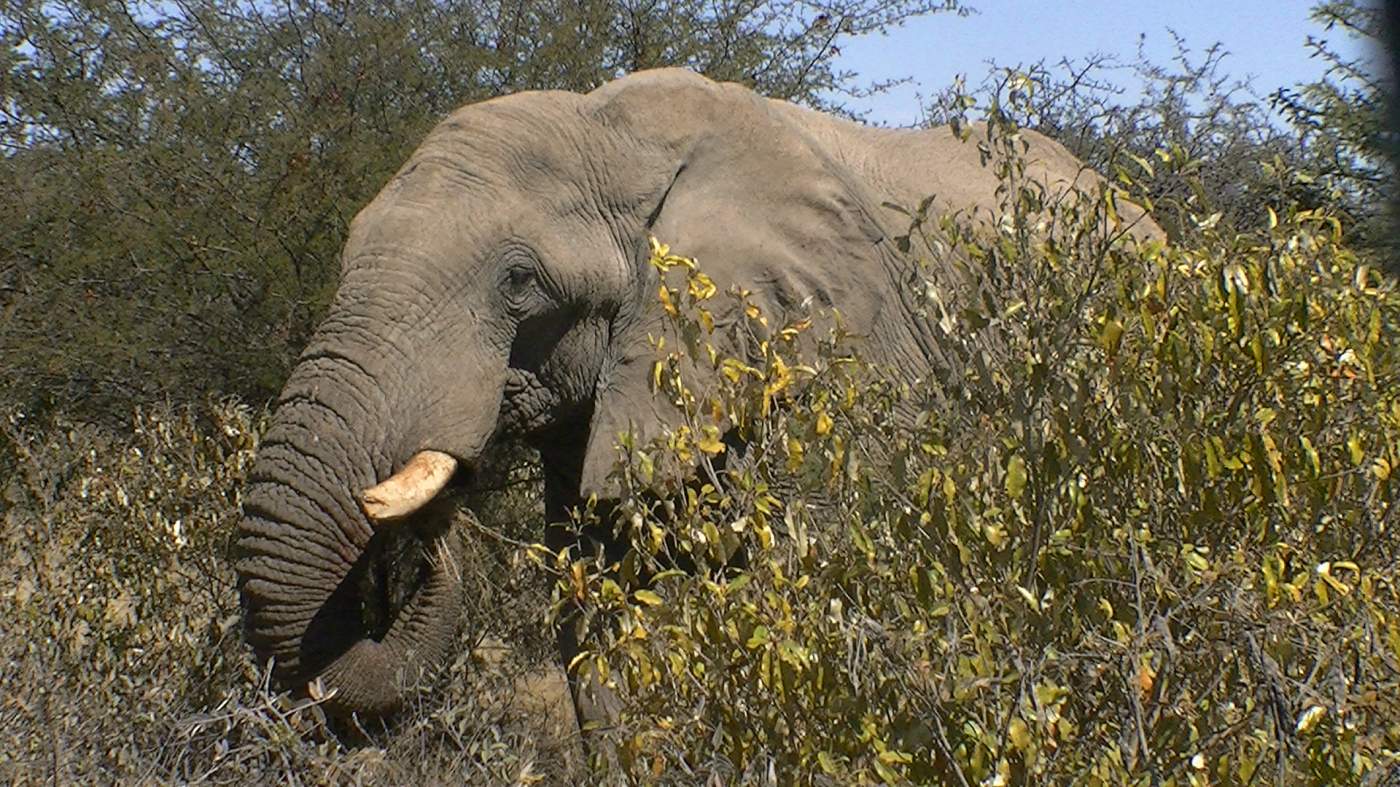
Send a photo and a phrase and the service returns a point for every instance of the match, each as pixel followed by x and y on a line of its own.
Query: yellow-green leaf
pixel 1015 477
pixel 709 441
pixel 648 597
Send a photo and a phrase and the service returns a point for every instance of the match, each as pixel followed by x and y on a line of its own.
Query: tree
pixel 1341 120
pixel 184 172
pixel 1228 154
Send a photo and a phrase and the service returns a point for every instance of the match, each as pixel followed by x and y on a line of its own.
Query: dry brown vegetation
pixel 123 658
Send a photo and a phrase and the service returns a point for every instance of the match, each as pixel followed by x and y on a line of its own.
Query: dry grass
pixel 123 659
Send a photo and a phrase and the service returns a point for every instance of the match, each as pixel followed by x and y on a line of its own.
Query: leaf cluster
pixel 1144 532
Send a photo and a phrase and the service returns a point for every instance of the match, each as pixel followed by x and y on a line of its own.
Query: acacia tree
pixel 1341 119
pixel 1229 153
pixel 183 173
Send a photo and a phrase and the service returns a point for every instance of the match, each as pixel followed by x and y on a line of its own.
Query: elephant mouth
pixel 400 560
pixel 409 572
pixel 366 606
pixel 412 512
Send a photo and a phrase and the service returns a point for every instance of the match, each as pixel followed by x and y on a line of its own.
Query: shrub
pixel 1144 533
pixel 123 658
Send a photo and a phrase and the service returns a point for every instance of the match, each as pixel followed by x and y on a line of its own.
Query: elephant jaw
pixel 411 488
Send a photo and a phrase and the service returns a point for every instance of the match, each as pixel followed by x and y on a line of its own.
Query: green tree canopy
pixel 1231 153
pixel 183 173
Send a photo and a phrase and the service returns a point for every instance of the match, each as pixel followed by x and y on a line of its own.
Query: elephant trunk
pixel 327 595
pixel 372 675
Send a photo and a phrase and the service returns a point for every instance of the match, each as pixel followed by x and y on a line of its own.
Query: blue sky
pixel 1265 38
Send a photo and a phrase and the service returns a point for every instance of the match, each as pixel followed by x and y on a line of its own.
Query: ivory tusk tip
pixel 376 508
pixel 410 488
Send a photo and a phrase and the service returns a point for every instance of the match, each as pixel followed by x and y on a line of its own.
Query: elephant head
pixel 498 287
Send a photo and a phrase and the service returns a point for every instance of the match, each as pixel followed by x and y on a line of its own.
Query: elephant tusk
pixel 410 488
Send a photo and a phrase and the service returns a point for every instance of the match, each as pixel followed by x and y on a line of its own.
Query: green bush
pixel 1144 533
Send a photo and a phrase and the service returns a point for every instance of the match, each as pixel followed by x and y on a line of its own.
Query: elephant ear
pixel 757 201
pixel 628 407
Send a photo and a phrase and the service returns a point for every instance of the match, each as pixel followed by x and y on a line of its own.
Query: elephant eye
pixel 521 286
pixel 519 278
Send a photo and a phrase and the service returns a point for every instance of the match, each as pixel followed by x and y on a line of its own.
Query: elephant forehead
pixel 515 186
pixel 425 229
pixel 517 141
pixel 458 245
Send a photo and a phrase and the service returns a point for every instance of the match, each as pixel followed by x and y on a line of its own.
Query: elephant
pixel 497 289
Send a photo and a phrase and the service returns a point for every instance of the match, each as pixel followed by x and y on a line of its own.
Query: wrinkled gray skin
pixel 498 288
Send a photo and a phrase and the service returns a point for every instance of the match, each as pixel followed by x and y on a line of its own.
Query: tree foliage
pixel 1318 144
pixel 185 172
pixel 1342 120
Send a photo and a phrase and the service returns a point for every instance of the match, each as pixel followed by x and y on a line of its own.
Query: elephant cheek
pixel 529 405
